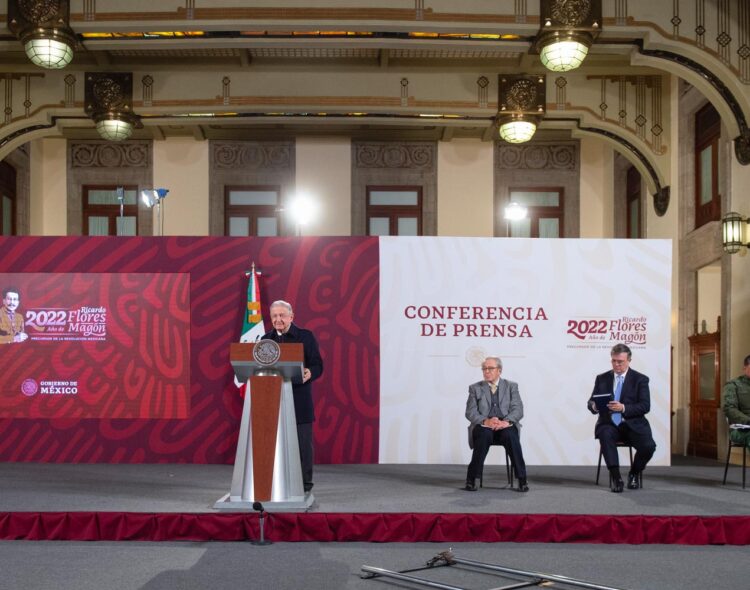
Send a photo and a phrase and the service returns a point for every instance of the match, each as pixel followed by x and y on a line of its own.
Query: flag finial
pixel 252 270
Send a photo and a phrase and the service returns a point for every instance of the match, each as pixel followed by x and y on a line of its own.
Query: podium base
pixel 293 504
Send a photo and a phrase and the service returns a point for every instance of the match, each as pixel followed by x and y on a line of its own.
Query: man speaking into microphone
pixel 285 332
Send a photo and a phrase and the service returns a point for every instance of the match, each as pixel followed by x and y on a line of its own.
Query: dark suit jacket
pixel 635 396
pixel 303 402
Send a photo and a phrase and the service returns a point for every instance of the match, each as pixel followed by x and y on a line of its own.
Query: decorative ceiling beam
pixel 742 141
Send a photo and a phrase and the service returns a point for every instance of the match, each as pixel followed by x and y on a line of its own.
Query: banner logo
pixel 625 329
pixel 59 388
pixel 29 387
pixel 266 352
pixel 88 324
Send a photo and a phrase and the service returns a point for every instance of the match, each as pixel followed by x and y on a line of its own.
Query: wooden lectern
pixel 267 464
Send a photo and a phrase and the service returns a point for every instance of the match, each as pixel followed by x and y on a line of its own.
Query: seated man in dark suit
pixel 625 418
pixel 494 409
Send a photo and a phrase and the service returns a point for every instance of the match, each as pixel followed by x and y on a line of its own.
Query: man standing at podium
pixel 285 332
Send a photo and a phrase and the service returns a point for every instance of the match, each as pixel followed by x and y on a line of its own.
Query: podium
pixel 267 464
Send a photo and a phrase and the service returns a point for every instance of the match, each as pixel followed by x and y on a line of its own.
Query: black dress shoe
pixel 617 486
pixel 634 480
pixel 470 486
pixel 522 485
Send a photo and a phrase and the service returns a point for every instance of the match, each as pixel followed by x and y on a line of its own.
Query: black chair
pixel 630 452
pixel 731 446
pixel 508 464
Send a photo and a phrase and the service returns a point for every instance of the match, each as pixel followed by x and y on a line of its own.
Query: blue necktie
pixel 617 416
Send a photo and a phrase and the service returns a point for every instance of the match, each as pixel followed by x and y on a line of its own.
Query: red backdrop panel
pixel 110 345
pixel 333 285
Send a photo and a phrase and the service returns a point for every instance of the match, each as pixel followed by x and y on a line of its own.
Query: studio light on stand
pixel 108 98
pixel 42 26
pixel 521 105
pixel 303 210
pixel 567 31
pixel 120 192
pixel 152 198
pixel 514 212
pixel 258 507
pixel 734 233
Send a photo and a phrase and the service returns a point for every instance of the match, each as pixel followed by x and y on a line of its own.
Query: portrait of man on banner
pixel 11 322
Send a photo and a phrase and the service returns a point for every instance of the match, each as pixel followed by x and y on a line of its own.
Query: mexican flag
pixel 252 322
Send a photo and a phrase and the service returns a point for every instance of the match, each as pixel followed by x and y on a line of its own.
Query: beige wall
pixel 465 188
pixel 47 190
pixel 709 296
pixel 324 174
pixel 597 188
pixel 739 346
pixel 181 165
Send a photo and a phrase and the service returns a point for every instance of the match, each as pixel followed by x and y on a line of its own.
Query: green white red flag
pixel 252 319
pixel 252 324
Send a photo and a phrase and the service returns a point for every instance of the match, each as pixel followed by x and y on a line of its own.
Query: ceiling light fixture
pixel 42 26
pixel 521 105
pixel 568 29
pixel 108 98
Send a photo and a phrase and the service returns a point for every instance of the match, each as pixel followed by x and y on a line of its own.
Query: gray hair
pixel 282 303
pixel 619 349
pixel 497 360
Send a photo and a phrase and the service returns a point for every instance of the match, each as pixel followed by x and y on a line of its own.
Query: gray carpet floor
pixel 687 487
pixel 330 566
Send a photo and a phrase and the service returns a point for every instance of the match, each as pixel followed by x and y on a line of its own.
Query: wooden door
pixel 705 394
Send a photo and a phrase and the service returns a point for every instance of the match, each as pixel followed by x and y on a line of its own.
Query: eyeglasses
pixel 489 368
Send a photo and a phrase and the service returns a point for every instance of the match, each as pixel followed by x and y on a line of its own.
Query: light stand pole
pixel 120 191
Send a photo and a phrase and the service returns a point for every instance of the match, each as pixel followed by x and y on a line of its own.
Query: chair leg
pixel 744 454
pixel 640 474
pixel 509 469
pixel 726 465
pixel 599 466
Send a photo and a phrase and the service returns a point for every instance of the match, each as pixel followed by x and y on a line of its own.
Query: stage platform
pixel 685 504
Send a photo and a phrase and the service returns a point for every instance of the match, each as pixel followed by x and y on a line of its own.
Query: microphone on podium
pixel 258 507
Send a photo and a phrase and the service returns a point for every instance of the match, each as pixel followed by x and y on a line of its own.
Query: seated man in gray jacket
pixel 494 409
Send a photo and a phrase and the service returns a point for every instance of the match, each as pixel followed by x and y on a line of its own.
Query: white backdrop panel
pixel 572 301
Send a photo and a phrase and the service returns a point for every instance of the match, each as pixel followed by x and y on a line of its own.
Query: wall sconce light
pixel 568 29
pixel 42 27
pixel 521 105
pixel 109 98
pixel 734 232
